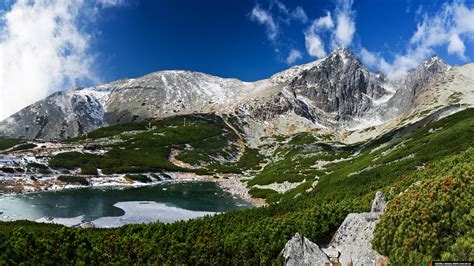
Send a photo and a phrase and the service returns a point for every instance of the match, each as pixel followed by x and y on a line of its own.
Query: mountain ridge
pixel 332 94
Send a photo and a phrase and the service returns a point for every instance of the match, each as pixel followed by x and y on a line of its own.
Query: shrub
pixel 74 180
pixel 432 220
pixel 139 178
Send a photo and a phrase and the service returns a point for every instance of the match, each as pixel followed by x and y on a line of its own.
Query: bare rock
pixel 379 203
pixel 301 251
pixel 354 236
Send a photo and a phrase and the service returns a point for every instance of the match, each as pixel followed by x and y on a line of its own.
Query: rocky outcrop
pixel 354 236
pixel 426 74
pixel 300 251
pixel 336 92
pixel 340 84
pixel 350 245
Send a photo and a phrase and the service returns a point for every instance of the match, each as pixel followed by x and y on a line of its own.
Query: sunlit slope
pixel 255 236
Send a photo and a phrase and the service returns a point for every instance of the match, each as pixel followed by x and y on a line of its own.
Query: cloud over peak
pixel 43 48
pixel 448 28
pixel 339 26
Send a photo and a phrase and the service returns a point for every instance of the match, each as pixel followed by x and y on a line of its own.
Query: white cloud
pixel 110 3
pixel 293 56
pixel 43 49
pixel 287 15
pixel 276 19
pixel 456 46
pixel 340 29
pixel 299 14
pixel 345 28
pixel 314 46
pixel 322 23
pixel 450 28
pixel 313 42
pixel 368 58
pixel 265 18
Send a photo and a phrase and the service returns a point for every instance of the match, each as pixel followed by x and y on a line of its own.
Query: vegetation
pixel 455 97
pixel 263 193
pixel 139 178
pixel 6 143
pixel 24 146
pixel 391 164
pixel 200 140
pixel 432 220
pixel 74 180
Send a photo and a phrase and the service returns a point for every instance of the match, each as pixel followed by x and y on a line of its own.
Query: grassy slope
pixel 146 146
pixel 6 143
pixel 254 236
pixel 433 219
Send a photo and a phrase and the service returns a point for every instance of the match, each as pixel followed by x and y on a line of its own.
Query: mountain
pixel 334 94
pixel 314 143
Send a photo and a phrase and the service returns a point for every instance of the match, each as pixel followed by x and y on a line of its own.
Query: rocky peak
pixel 434 64
pixel 340 84
pixel 427 73
pixel 343 55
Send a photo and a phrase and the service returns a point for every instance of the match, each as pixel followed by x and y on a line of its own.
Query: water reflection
pixel 96 203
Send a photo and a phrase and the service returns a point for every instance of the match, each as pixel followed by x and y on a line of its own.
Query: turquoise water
pixel 94 203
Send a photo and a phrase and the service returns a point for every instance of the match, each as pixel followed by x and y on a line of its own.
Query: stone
pixel 86 225
pixel 331 252
pixel 354 236
pixel 379 203
pixel 301 251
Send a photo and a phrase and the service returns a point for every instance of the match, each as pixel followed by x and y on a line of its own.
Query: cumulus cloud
pixel 368 58
pixel 265 18
pixel 314 46
pixel 42 49
pixel 456 46
pixel 339 27
pixel 450 28
pixel 313 42
pixel 345 20
pixel 293 56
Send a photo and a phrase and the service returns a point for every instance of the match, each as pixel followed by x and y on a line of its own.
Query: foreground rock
pixel 300 251
pixel 351 244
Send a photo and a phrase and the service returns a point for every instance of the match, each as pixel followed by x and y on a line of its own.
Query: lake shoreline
pixel 19 185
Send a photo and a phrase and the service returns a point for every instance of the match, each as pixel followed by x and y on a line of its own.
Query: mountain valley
pixel 306 147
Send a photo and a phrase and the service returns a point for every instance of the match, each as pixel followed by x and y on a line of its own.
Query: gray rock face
pixel 379 203
pixel 413 84
pixel 350 244
pixel 354 236
pixel 336 92
pixel 340 84
pixel 61 115
pixel 300 251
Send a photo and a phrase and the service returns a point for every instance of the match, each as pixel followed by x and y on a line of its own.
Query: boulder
pixel 301 251
pixel 354 236
pixel 379 203
pixel 350 245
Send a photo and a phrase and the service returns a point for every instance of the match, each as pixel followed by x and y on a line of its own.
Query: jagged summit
pixel 336 92
pixel 344 54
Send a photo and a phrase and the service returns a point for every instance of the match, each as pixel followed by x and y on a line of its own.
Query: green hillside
pixel 440 151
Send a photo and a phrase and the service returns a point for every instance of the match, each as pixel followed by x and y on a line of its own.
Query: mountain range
pixel 336 95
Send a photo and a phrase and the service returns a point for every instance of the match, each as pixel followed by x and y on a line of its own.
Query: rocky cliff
pixel 350 245
pixel 334 93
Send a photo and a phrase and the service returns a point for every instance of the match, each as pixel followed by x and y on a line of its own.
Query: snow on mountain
pixel 331 94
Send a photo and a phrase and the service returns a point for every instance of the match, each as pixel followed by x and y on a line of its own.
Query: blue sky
pixel 61 44
pixel 221 38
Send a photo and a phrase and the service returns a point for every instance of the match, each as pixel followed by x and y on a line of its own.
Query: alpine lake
pixel 116 206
